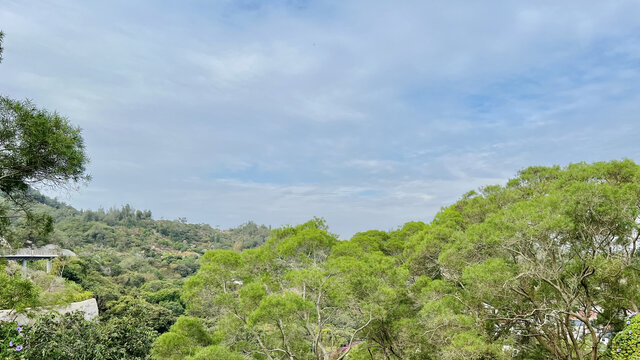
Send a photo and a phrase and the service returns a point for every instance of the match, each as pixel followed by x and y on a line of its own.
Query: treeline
pixel 126 227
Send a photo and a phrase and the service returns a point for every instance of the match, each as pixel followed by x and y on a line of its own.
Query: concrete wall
pixel 89 307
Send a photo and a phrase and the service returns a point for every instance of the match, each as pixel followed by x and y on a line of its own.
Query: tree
pixel 37 147
pixel 216 352
pixel 15 292
pixel 548 261
pixel 185 338
pixel 545 267
pixel 303 295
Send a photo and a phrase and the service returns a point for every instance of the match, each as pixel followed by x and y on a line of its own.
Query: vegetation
pixel 36 147
pixel 136 278
pixel 16 292
pixel 542 268
pixel 626 344
pixel 70 337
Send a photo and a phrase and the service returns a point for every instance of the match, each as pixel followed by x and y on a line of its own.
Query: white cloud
pixel 366 113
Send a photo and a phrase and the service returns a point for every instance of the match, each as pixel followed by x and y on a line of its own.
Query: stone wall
pixel 88 307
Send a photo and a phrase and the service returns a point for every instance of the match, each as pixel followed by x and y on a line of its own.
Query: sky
pixel 366 113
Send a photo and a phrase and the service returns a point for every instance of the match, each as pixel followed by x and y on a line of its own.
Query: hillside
pixel 132 264
pixel 127 229
pixel 121 251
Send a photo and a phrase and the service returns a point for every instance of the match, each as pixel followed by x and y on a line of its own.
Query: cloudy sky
pixel 367 113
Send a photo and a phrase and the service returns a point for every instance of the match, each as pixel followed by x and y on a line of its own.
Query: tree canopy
pixel 38 147
pixel 544 267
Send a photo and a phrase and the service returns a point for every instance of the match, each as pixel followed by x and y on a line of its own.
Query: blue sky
pixel 366 113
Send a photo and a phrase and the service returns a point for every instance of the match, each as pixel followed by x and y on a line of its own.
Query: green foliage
pixel 71 337
pixel 153 316
pixel 33 228
pixel 123 249
pixel 193 329
pixel 626 344
pixel 505 272
pixel 303 294
pixel 39 147
pixel 11 341
pixel 286 307
pixel 15 292
pixel 127 229
pixel 309 242
pixel 123 264
pixel 522 263
pixel 172 346
pixel 57 291
pixel 185 338
pixel 216 352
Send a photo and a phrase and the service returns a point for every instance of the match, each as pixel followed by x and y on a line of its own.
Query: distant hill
pixel 126 252
pixel 128 229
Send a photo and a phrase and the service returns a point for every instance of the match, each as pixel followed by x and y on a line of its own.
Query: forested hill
pixel 130 230
pixel 126 252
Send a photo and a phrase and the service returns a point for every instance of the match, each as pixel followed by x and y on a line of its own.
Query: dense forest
pixel 544 267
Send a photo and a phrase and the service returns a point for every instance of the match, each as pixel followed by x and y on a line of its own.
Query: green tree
pixel 292 299
pixel 549 260
pixel 71 337
pixel 185 338
pixel 37 147
pixel 153 316
pixel 15 292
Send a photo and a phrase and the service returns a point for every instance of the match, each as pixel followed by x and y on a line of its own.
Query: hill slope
pixel 126 252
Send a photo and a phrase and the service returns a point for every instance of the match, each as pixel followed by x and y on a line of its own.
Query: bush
pixel 11 341
pixel 15 292
pixel 71 337
pixel 626 344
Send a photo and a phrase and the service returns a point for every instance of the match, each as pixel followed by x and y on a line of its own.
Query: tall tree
pixel 37 147
pixel 547 262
